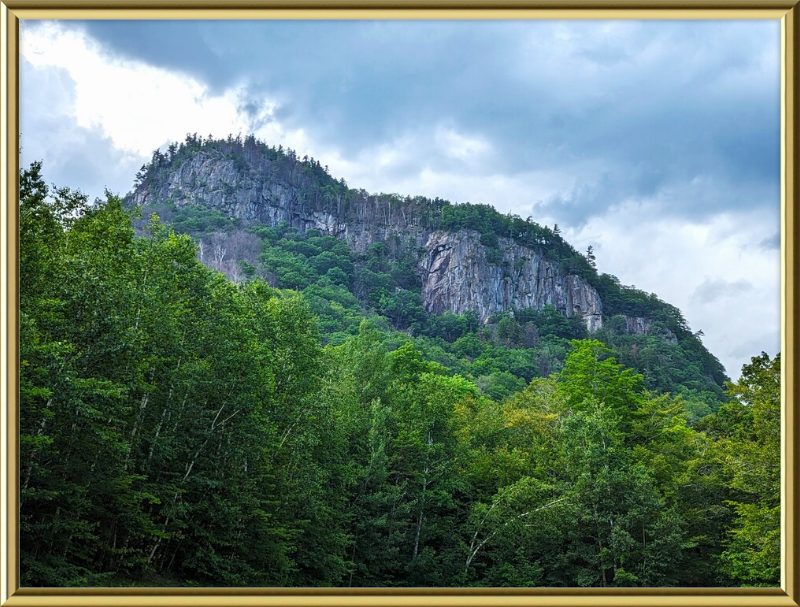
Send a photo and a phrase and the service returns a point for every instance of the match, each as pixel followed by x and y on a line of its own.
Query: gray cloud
pixel 629 109
pixel 75 156
pixel 712 290
pixel 771 243
pixel 751 348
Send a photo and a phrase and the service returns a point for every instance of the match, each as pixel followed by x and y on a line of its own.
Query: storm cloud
pixel 629 108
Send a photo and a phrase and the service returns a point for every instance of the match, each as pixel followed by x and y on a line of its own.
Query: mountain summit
pixel 468 257
pixel 456 258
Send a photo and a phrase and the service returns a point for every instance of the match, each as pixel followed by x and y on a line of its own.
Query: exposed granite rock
pixel 254 194
pixel 458 277
pixel 458 273
pixel 637 325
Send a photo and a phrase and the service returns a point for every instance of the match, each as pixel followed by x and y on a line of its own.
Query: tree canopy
pixel 179 428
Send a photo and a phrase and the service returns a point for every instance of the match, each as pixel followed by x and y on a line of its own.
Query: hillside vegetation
pixel 382 282
pixel 180 428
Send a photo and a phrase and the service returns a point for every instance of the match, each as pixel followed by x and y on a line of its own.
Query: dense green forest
pixel 179 428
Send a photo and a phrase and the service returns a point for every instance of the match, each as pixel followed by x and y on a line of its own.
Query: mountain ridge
pixel 456 258
pixel 253 182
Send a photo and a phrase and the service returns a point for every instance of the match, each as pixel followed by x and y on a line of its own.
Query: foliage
pixel 325 430
pixel 751 449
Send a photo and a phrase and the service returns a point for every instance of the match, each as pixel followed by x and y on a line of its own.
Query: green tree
pixel 752 449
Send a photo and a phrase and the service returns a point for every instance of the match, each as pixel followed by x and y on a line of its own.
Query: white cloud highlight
pixel 139 107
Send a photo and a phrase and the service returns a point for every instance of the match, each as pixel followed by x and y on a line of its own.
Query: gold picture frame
pixel 12 11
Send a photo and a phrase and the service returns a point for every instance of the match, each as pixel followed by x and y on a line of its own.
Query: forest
pixel 309 424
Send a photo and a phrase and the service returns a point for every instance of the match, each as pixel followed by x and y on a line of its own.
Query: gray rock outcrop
pixel 458 277
pixel 458 273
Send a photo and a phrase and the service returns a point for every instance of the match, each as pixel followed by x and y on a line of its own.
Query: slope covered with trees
pixel 382 281
pixel 502 356
pixel 253 165
pixel 178 428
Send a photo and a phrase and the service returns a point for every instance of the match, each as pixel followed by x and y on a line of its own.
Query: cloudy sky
pixel 655 142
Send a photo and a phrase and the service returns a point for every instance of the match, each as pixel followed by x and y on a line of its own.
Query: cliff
pixel 460 270
pixel 457 276
pixel 256 189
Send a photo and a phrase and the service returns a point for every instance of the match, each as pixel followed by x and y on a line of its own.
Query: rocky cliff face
pixel 637 325
pixel 458 273
pixel 458 277
pixel 258 192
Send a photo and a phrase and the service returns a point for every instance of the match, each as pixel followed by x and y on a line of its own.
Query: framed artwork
pixel 430 304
